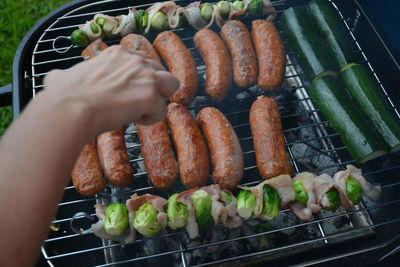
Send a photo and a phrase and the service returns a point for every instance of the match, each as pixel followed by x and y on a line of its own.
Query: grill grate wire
pixel 45 58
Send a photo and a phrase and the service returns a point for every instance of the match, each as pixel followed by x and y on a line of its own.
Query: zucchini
pixel 328 25
pixel 362 141
pixel 364 92
pixel 305 42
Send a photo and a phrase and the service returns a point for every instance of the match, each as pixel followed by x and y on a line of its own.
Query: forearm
pixel 36 157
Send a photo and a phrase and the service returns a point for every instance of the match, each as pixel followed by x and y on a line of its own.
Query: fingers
pixel 156 112
pixel 166 83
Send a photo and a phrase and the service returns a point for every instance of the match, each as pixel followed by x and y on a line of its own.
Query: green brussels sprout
pixel 206 11
pixel 202 204
pixel 79 38
pixel 262 228
pixel 353 190
pixel 334 199
pixel 94 27
pixel 271 203
pixel 145 221
pixel 108 29
pixel 246 203
pixel 177 213
pixel 159 21
pixel 141 19
pixel 100 21
pixel 301 193
pixel 255 7
pixel 227 196
pixel 238 5
pixel 117 219
pixel 225 8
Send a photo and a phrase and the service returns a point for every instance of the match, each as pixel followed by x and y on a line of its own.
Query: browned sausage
pixel 139 42
pixel 244 60
pixel 269 143
pixel 218 64
pixel 156 146
pixel 180 63
pixel 87 175
pixel 193 159
pixel 159 158
pixel 93 50
pixel 114 158
pixel 223 143
pixel 270 53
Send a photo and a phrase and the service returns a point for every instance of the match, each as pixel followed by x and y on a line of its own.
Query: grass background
pixel 16 18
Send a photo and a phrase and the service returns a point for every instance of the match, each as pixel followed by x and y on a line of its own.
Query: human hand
pixel 115 88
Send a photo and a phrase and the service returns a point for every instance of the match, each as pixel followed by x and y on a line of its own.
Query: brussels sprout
pixel 177 213
pixel 206 11
pixel 271 203
pixel 262 228
pixel 117 219
pixel 141 19
pixel 94 27
pixel 100 21
pixel 334 199
pixel 227 196
pixel 145 221
pixel 108 29
pixel 79 38
pixel 159 21
pixel 225 8
pixel 246 203
pixel 255 7
pixel 238 5
pixel 353 190
pixel 301 193
pixel 202 204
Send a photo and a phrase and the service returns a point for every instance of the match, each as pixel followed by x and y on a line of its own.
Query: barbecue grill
pixel 365 234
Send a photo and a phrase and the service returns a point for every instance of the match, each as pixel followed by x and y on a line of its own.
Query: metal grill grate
pixel 312 144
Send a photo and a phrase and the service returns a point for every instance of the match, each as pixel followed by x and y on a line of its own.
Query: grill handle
pixel 6 95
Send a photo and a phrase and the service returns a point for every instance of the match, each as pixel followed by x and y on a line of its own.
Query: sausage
pixel 270 54
pixel 225 151
pixel 218 64
pixel 156 146
pixel 93 50
pixel 193 159
pixel 139 42
pixel 159 158
pixel 269 143
pixel 87 175
pixel 180 63
pixel 244 60
pixel 114 158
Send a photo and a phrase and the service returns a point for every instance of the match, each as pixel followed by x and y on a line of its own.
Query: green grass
pixel 16 18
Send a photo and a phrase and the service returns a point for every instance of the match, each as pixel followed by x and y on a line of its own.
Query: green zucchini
pixel 362 141
pixel 305 42
pixel 364 92
pixel 327 22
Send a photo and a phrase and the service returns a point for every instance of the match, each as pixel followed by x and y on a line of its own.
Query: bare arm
pixel 38 151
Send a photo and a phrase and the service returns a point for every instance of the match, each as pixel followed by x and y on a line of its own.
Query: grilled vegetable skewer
pixel 168 15
pixel 200 208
